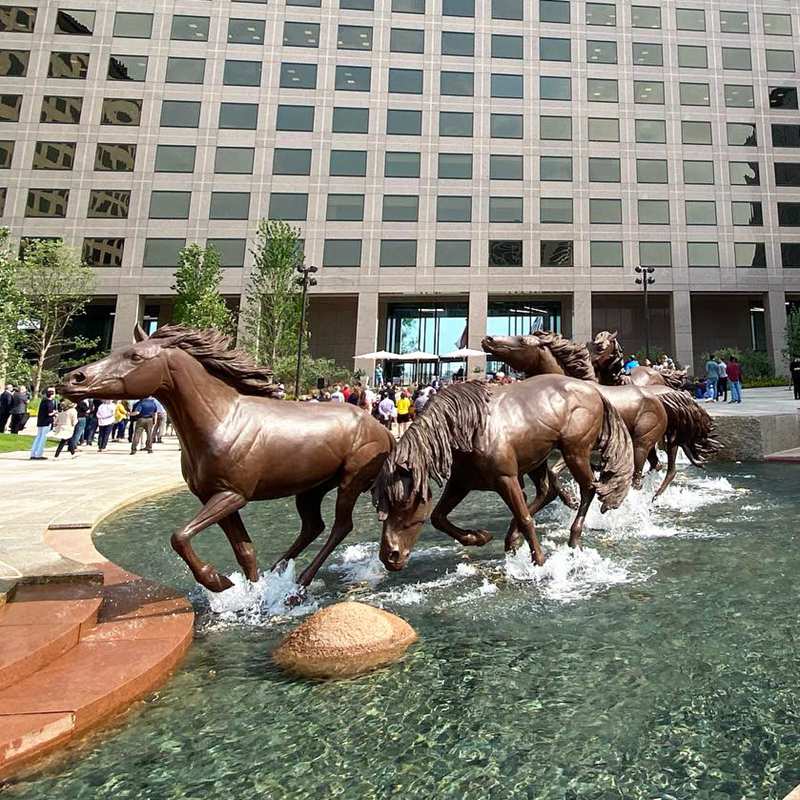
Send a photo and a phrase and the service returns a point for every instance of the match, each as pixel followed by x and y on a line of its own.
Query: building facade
pixel 456 167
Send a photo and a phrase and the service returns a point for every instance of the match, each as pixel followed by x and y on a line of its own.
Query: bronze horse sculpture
pixel 238 444
pixel 653 413
pixel 608 361
pixel 474 436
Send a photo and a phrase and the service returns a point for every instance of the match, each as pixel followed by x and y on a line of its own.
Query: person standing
pixel 91 421
pixel 6 400
pixel 160 423
pixel 794 370
pixel 44 421
pixel 121 412
pixel 82 409
pixel 403 404
pixel 337 395
pixel 105 422
pixel 712 376
pixel 735 379
pixel 144 413
pixel 722 380
pixel 19 410
pixel 387 412
pixel 64 429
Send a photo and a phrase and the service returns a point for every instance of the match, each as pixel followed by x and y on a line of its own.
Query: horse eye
pixel 136 358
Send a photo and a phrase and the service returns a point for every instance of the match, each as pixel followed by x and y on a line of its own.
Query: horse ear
pixel 139 333
pixel 382 516
pixel 613 335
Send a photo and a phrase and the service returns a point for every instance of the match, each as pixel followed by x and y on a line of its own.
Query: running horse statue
pixel 474 436
pixel 239 444
pixel 608 361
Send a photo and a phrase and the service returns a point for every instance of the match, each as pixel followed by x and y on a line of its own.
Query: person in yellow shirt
pixel 403 404
pixel 121 414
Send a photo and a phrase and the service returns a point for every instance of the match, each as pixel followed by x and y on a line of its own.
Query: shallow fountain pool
pixel 662 661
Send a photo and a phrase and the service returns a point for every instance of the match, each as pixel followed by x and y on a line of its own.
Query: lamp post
pixel 644 281
pixel 304 280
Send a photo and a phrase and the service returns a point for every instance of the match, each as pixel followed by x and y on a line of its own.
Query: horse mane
pixel 213 350
pixel 450 421
pixel 614 370
pixel 572 357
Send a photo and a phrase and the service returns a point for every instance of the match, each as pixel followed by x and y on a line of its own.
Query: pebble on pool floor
pixel 344 640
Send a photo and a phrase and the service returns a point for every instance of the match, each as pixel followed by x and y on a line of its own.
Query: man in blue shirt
pixel 144 416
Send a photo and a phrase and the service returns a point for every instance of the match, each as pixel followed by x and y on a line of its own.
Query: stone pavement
pixel 758 402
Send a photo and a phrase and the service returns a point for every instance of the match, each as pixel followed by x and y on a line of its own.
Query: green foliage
pixel 757 383
pixel 12 309
pixel 310 369
pixel 273 300
pixel 198 301
pixel 792 333
pixel 755 364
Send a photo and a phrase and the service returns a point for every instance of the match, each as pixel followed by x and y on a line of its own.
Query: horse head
pixel 522 353
pixel 136 370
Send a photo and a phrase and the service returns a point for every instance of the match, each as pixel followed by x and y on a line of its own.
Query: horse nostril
pixel 393 557
pixel 77 377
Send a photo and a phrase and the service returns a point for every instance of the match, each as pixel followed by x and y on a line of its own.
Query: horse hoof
pixel 213 580
pixel 477 538
pixel 296 598
pixel 279 566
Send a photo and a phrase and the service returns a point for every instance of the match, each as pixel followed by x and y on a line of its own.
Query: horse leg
pixel 640 452
pixel 452 495
pixel 309 508
pixel 672 453
pixel 219 506
pixel 242 545
pixel 509 489
pixel 546 491
pixel 581 469
pixel 652 458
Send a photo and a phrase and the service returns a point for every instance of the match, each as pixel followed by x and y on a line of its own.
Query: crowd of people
pixel 720 377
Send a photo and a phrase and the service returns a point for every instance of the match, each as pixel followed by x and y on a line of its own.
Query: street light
pixel 304 280
pixel 644 281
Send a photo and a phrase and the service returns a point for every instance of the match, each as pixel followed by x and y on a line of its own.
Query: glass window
pixel 455 166
pixel 102 252
pixel 605 254
pixel 750 254
pixel 790 254
pixel 162 252
pixel 47 203
pixel 692 56
pixel 648 54
pixel 246 31
pixel 458 8
pixel 506 46
pixel 354 37
pixel 602 90
pixel 789 215
pixel 231 251
pixel 175 158
pixel 188 28
pixel 780 60
pixel 551 88
pixel 133 25
pixel 554 49
pixel 506 126
pixel 298 76
pixel 653 212
pixel 244 116
pixel 695 94
pixel 453 83
pixel 558 253
pixel 555 128
pixel 747 213
pixel 295 118
pixel 652 131
pixel 288 206
pixel 306 3
pixel 604 170
pixel 350 120
pixel 747 173
pixel 555 168
pixel 301 34
pixel 453 209
pixel 601 14
pixel 127 68
pixel 783 97
pixel 49 155
pixel 603 129
pixel 786 135
pixel 742 134
pixel 113 157
pixel 785 174
pixel 604 211
pixel 14 63
pixel 698 172
pixel 170 205
pixel 738 96
pixel 68 65
pixel 347 162
pixel 505 209
pixel 404 122
pixel 778 24
pixel 737 58
pixel 185 70
pixel 401 165
pixel 400 208
pixel 690 19
pixel 341 253
pixel 554 11
pixel 696 132
pixel 125 112
pixel 16 19
pixel 55 109
pixel 405 81
pixel 505 168
pixel 458 44
pixel 398 253
pixel 655 254
pixel 701 212
pixel 648 92
pixel 407 40
pixel 229 205
pixel 505 253
pixel 241 73
pixel 507 9
pixel 645 16
pixel 234 161
pixel 734 22
pixel 109 203
pixel 74 22
pixel 702 254
pixel 409 6
pixel 291 161
pixel 598 52
pixel 345 208
pixel 180 114
pixel 555 210
pixel 452 253
pixel 455 123
pixel 353 79
pixel 509 85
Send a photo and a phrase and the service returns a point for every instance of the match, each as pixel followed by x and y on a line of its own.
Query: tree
pixel 56 286
pixel 12 310
pixel 272 316
pixel 793 333
pixel 199 303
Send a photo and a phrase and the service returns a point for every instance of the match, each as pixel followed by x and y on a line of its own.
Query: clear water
pixel 661 662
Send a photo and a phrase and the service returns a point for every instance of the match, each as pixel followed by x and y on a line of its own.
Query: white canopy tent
pixel 380 355
pixel 463 353
pixel 418 355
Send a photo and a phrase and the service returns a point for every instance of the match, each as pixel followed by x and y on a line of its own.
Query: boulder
pixel 344 640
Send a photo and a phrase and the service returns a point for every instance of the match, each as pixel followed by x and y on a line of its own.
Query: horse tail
pixel 689 426
pixel 616 459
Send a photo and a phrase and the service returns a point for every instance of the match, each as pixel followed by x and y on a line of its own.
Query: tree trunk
pixel 37 384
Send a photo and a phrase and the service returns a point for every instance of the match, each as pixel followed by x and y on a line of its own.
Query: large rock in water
pixel 344 640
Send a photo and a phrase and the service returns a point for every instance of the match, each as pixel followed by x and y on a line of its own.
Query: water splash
pixel 360 564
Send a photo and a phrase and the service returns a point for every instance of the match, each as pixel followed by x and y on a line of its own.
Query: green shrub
pixel 755 363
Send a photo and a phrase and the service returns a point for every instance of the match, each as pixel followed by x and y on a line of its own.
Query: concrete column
pixel 128 314
pixel 775 307
pixel 682 341
pixel 476 330
pixel 582 315
pixel 367 330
